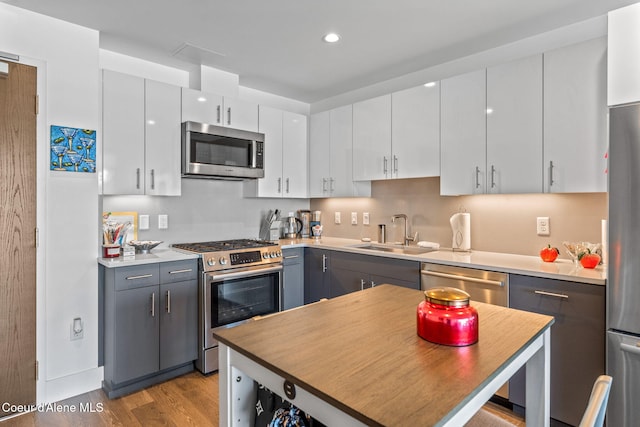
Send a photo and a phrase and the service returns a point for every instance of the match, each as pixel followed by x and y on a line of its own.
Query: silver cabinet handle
pixel 551 294
pixel 395 164
pixel 324 263
pixel 384 165
pixel 229 116
pixel 373 284
pixel 138 178
pixel 331 181
pixel 493 174
pixel 463 278
pixel 279 185
pixel 142 276
pixel 362 284
pixel 324 185
pixel 550 173
pixel 630 349
pixel 291 257
pixel 153 179
pixel 187 270
pixel 477 176
pixel 153 304
pixel 218 111
pixel 168 302
pixel 287 185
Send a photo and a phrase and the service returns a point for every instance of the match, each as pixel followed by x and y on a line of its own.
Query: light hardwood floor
pixel 189 400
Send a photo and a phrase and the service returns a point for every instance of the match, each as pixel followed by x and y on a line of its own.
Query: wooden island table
pixel 357 360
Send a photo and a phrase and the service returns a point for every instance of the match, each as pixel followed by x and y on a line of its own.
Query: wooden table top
pixel 362 354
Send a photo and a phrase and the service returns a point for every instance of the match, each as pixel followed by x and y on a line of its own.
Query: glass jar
pixel 445 317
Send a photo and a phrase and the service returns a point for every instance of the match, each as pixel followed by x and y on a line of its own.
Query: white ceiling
pixel 275 45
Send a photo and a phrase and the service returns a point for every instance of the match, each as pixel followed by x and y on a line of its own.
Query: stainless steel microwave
pixel 210 151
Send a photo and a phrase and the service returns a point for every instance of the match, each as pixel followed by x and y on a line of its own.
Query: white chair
pixel 593 416
pixel 597 406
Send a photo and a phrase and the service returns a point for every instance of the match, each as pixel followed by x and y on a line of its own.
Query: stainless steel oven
pixel 239 279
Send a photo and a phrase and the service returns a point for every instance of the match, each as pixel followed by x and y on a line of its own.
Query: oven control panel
pixel 246 257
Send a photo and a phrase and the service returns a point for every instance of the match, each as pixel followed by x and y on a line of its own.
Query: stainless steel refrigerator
pixel 623 285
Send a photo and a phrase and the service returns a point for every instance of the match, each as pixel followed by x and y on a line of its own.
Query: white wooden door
pixel 514 126
pixel 162 139
pixel 271 125
pixel 463 134
pixel 201 107
pixel 575 118
pixel 415 132
pixel 294 155
pixel 372 139
pixel 341 176
pixel 319 154
pixel 123 133
pixel 240 114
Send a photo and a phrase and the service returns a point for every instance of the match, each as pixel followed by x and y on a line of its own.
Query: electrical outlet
pixel 365 218
pixel 542 226
pixel 143 222
pixel 336 217
pixel 354 218
pixel 163 222
pixel 77 329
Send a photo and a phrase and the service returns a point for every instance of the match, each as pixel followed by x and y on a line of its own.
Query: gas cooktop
pixel 231 254
pixel 223 245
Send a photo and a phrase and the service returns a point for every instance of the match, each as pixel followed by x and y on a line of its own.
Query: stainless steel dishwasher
pixel 483 286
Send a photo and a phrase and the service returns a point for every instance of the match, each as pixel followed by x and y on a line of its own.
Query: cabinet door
pixel 294 155
pixel 271 125
pixel 623 35
pixel 344 281
pixel 319 154
pixel 240 114
pixel 293 278
pixel 123 133
pixel 178 323
pixel 372 139
pixel 201 107
pixel 162 139
pixel 575 118
pixel 463 134
pixel 341 182
pixel 514 126
pixel 316 275
pixel 136 339
pixel 415 127
pixel 577 340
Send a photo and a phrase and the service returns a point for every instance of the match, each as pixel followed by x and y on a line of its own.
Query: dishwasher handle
pixel 463 278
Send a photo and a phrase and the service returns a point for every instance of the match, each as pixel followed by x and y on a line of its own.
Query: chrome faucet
pixel 407 238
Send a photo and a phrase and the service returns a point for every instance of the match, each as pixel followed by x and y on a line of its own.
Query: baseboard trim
pixel 71 385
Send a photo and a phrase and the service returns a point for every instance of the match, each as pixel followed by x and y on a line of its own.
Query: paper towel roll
pixel 461 228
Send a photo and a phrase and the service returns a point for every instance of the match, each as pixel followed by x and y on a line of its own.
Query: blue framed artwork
pixel 72 149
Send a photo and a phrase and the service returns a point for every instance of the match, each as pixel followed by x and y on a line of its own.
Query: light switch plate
pixel 336 217
pixel 542 226
pixel 365 218
pixel 143 222
pixel 163 222
pixel 354 218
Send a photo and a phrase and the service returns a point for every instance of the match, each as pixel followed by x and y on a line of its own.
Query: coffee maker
pixel 305 218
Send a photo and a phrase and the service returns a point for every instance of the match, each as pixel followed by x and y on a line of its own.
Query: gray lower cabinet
pixel 577 340
pixel 150 324
pixel 330 274
pixel 292 278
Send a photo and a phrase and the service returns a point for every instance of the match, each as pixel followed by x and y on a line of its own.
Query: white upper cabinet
pixel 514 127
pixel 415 132
pixel 463 134
pixel 217 110
pixel 285 156
pixel 372 139
pixel 575 117
pixel 623 69
pixel 330 159
pixel 141 136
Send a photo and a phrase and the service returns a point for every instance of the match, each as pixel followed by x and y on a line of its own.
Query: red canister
pixel 445 317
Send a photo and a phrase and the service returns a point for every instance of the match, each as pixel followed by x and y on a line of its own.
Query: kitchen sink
pixel 396 249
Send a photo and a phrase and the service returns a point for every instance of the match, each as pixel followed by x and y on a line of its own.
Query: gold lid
pixel 451 297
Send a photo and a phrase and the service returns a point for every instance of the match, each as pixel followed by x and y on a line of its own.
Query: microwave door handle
pixel 254 154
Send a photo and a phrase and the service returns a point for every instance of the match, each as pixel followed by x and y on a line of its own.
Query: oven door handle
pixel 244 273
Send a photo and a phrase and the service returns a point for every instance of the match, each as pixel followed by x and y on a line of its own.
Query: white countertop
pixel 156 255
pixel 508 263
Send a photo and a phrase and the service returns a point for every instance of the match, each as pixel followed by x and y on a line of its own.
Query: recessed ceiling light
pixel 202 99
pixel 331 38
pixel 430 84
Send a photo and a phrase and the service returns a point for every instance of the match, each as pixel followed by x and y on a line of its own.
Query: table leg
pixel 237 392
pixel 538 375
